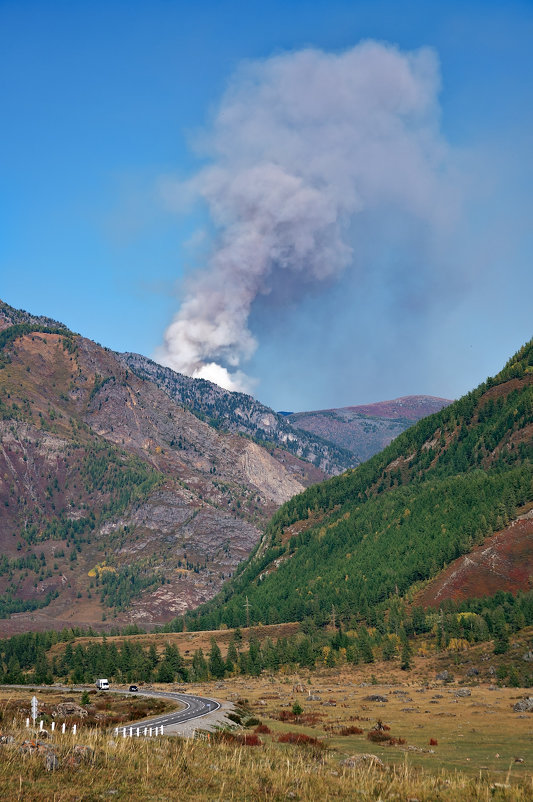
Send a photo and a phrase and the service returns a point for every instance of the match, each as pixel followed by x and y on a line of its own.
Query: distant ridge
pixel 368 428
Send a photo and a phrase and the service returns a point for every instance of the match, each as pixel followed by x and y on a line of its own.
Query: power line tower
pixel 247 608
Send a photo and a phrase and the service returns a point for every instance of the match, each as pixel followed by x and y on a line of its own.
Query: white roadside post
pixel 53 726
pixel 27 723
pixel 34 709
pixel 146 730
pixel 131 732
pixel 138 732
pixel 150 732
pixel 124 732
pixel 41 726
pixel 63 728
pixel 161 729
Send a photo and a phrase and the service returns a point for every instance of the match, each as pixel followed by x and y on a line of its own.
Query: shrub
pixel 252 722
pixel 433 742
pixel 378 736
pixel 351 730
pixel 299 738
pixel 263 729
pixel 235 718
pixel 248 739
pixel 251 739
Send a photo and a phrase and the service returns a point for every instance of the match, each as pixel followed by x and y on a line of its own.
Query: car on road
pixel 133 689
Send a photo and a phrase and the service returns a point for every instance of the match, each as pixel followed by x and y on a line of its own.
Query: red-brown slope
pixel 411 407
pixel 503 562
pixel 69 411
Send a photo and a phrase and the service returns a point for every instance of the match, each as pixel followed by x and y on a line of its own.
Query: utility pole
pixel 247 608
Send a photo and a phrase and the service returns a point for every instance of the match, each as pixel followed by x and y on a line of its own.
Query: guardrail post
pixel 161 729
pixel 131 732
pixel 124 732
pixel 145 730
pixel 150 732
pixel 138 732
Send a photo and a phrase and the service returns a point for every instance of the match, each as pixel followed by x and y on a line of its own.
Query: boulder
pixel 375 697
pixel 524 705
pixel 528 656
pixel 445 676
pixel 67 709
pixel 463 692
pixel 51 762
pixel 364 759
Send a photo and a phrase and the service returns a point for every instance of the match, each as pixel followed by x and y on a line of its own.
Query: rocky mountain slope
pixel 358 541
pixel 117 503
pixel 367 429
pixel 242 414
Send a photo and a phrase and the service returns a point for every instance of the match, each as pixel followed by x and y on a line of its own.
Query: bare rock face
pixel 268 475
pixel 241 414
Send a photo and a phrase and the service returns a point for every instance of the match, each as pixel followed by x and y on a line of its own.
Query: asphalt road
pixel 194 707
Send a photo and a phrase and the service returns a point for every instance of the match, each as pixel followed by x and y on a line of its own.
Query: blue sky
pixel 101 101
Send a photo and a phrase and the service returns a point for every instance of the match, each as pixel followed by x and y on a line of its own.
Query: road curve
pixel 194 707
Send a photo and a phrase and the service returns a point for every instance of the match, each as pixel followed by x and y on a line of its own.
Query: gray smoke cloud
pixel 301 144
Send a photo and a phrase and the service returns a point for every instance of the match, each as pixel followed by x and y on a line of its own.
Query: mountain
pixel 365 430
pixel 382 530
pixel 10 316
pixel 242 414
pixel 117 502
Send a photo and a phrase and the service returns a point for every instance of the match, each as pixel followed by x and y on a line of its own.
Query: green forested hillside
pixel 356 540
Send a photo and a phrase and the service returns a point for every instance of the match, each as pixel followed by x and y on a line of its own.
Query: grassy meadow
pixel 434 744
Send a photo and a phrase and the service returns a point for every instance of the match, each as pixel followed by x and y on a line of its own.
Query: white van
pixel 102 684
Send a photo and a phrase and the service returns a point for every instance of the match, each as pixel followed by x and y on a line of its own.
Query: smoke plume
pixel 301 144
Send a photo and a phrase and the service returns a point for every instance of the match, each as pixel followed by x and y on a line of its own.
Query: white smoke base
pixel 301 144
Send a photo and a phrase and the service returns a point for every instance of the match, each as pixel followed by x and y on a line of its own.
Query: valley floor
pixel 445 740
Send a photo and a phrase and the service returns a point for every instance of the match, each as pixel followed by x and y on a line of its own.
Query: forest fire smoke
pixel 302 143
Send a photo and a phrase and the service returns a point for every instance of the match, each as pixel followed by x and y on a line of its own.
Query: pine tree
pixel 406 656
pixel 217 667
pixel 199 666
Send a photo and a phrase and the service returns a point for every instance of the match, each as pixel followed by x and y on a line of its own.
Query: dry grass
pixel 478 738
pixel 172 768
pixel 476 734
pixel 187 642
